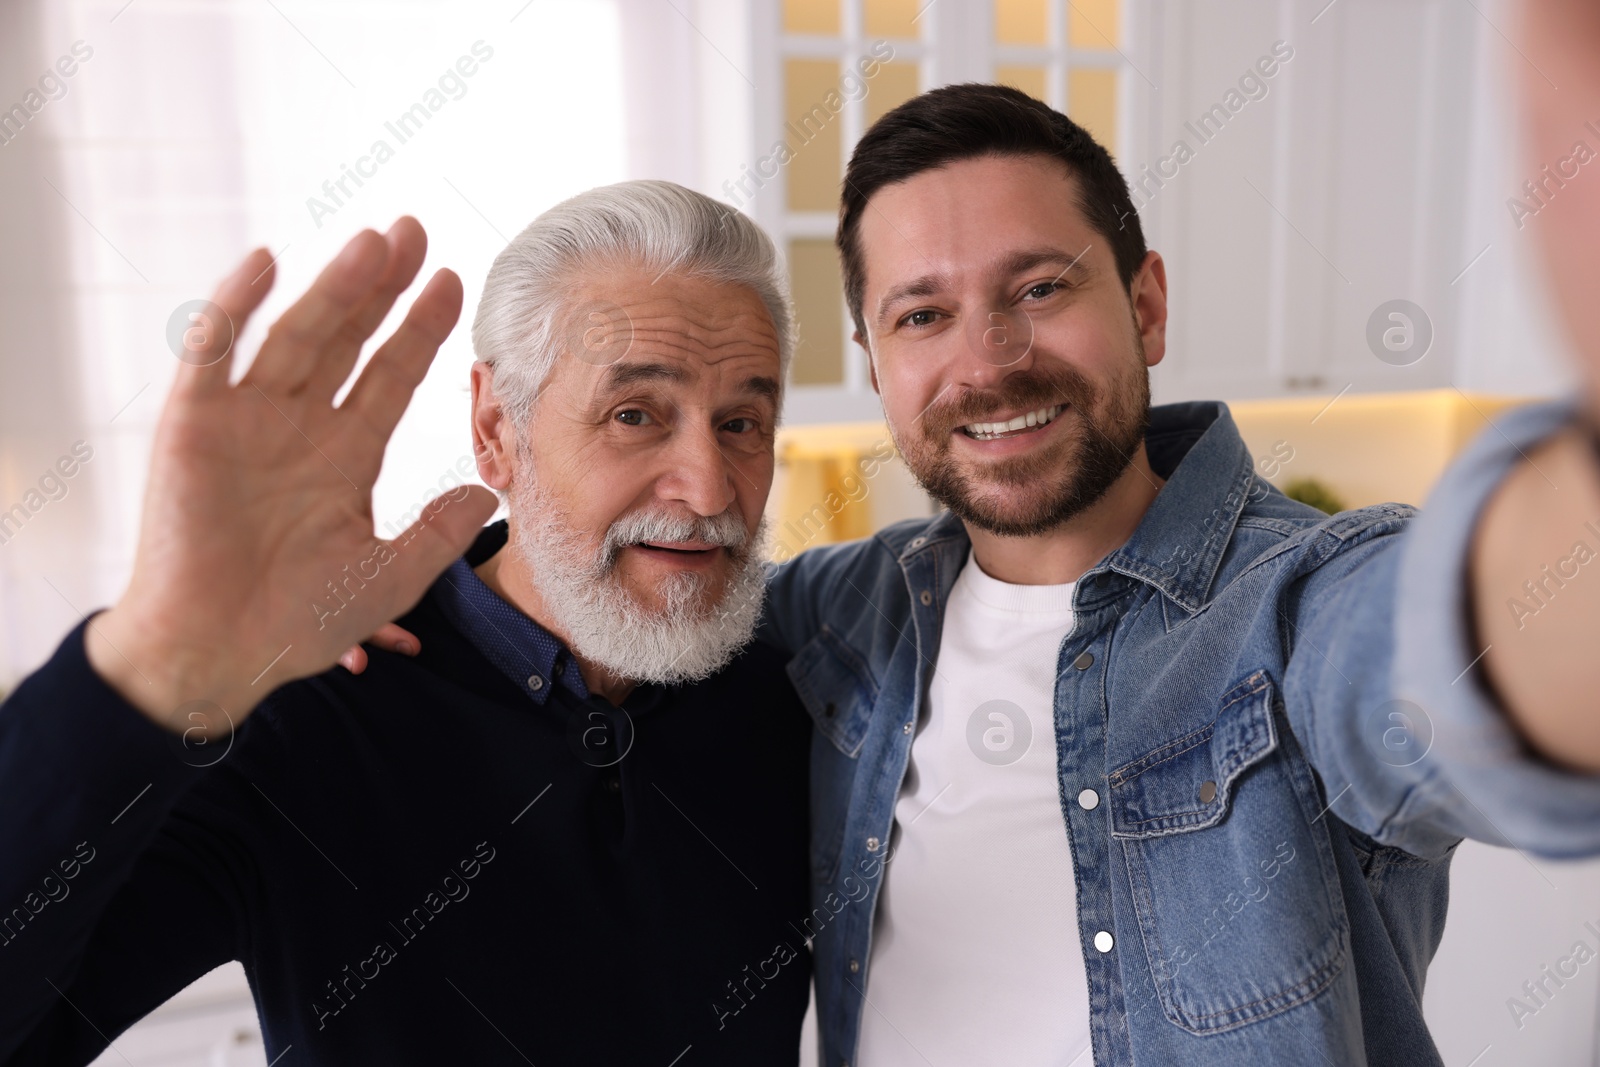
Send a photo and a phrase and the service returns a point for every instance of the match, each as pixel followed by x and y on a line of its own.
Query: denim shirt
pixel 1276 719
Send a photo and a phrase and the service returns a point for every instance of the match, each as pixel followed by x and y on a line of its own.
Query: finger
pixel 440 535
pixel 381 394
pixel 237 296
pixel 297 340
pixel 408 247
pixel 393 638
pixel 354 659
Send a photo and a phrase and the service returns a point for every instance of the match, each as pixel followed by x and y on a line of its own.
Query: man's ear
pixel 872 366
pixel 494 442
pixel 1148 295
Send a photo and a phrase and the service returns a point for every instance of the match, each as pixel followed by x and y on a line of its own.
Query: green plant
pixel 1316 493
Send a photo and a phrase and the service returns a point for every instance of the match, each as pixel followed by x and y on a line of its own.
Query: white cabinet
pixel 1313 197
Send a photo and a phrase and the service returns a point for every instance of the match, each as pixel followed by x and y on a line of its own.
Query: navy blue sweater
pixel 416 866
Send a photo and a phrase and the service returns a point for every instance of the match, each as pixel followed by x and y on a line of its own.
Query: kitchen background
pixel 1346 240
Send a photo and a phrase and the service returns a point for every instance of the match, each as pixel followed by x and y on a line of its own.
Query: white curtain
pixel 193 131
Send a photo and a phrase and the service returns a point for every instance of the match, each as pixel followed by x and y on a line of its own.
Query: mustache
pixel 1025 389
pixel 726 530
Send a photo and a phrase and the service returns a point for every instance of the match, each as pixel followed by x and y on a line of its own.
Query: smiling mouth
pixel 995 431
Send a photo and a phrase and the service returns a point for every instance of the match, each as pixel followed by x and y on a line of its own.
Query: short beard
pixel 692 636
pixel 1040 492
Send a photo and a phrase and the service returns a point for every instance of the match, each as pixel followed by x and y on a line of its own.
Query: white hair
pixel 658 226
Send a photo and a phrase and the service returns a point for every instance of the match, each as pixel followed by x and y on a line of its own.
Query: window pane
pixel 1021 21
pixel 894 84
pixel 819 309
pixel 1093 23
pixel 812 102
pixel 1030 80
pixel 892 18
pixel 811 16
pixel 1092 104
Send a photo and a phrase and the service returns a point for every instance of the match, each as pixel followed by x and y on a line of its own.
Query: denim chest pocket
pixel 838 692
pixel 1233 881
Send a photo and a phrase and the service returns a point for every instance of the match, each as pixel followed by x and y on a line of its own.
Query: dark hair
pixel 960 122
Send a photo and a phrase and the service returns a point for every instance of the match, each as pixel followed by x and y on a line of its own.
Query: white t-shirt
pixel 975 952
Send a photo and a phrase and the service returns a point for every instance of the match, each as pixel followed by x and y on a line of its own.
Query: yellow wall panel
pixel 1021 21
pixel 1094 23
pixel 894 84
pixel 1367 448
pixel 813 119
pixel 1092 103
pixel 811 16
pixel 892 18
pixel 1030 80
pixel 819 309
pixel 836 483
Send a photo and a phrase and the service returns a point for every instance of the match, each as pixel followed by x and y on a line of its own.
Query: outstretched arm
pixel 1535 593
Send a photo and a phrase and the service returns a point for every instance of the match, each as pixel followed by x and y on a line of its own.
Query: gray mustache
pixel 726 530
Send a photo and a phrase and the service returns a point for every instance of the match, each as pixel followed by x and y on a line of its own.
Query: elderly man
pixel 573 829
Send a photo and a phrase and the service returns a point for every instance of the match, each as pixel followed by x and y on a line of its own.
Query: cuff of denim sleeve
pixel 1520 800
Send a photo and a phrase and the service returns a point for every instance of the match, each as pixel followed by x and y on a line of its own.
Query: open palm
pixel 257 560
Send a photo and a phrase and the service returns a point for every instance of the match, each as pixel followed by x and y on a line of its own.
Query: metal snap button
pixel 1084 661
pixel 1088 800
pixel 1208 792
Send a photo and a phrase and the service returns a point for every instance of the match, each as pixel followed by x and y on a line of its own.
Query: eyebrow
pixel 762 386
pixel 1011 264
pixel 1022 261
pixel 926 285
pixel 622 375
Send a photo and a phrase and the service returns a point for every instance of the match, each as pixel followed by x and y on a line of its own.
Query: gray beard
pixel 695 634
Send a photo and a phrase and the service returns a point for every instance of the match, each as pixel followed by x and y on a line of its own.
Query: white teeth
pixel 987 431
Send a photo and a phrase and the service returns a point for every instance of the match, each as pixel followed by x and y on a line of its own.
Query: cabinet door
pixel 1311 203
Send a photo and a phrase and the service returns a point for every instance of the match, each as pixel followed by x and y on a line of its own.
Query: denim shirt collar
pixel 1196 446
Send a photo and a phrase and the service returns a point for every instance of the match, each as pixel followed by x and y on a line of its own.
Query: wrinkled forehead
pixel 680 317
pixel 626 326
